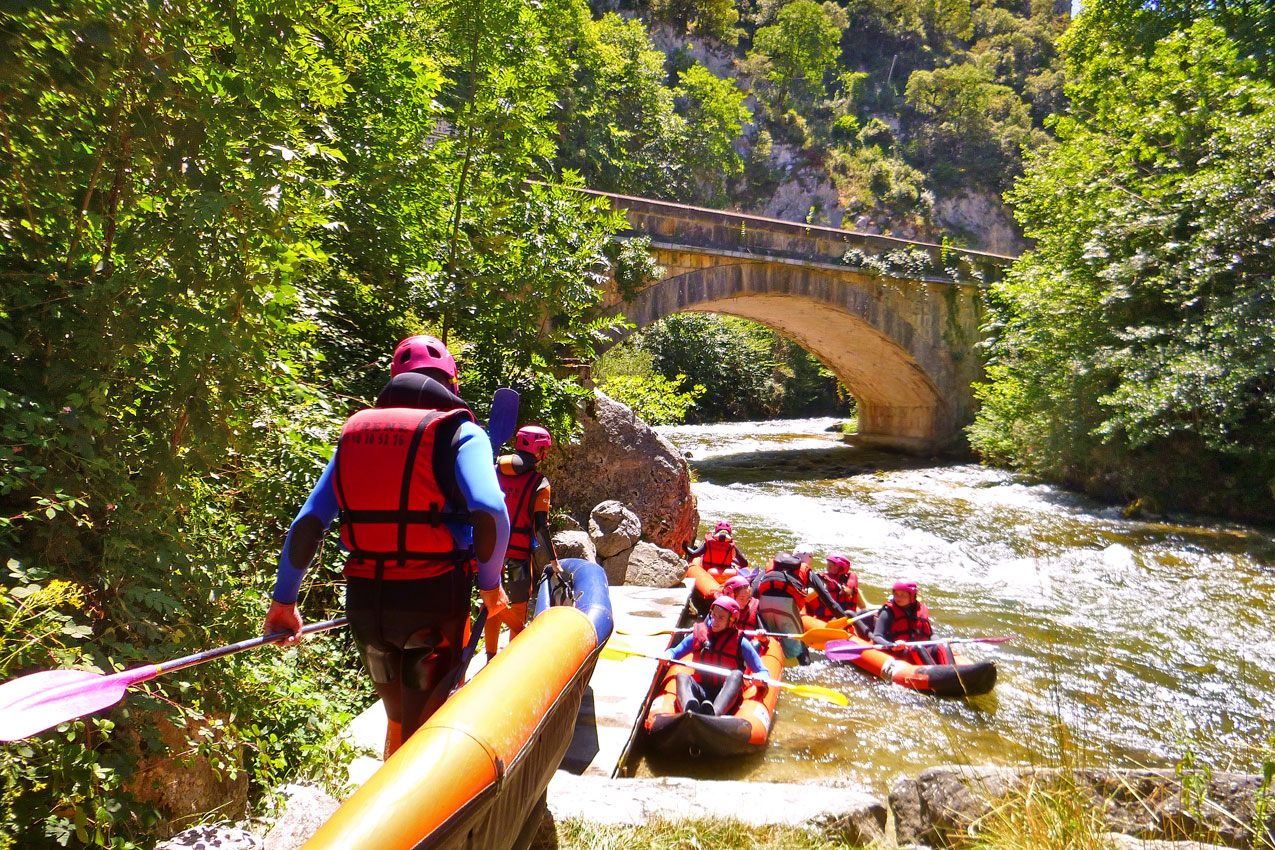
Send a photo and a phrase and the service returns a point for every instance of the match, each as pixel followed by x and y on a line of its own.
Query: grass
pixel 659 834
pixel 1039 815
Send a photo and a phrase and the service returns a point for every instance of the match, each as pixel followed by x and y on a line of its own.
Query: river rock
pixel 574 544
pixel 613 528
pixel 651 566
pixel 942 802
pixel 617 567
pixel 212 837
pixel 619 457
pixel 844 814
pixel 307 809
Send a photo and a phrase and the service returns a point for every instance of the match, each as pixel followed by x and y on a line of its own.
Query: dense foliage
pixel 737 370
pixel 215 221
pixel 1132 352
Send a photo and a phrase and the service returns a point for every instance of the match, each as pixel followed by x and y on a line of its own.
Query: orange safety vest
pixel 845 595
pixel 392 517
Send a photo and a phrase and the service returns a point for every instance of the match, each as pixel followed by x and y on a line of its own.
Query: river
pixel 1139 642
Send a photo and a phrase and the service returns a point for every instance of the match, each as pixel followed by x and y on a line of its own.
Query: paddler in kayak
pixel 718 552
pixel 738 588
pixel 906 618
pixel 412 482
pixel 835 593
pixel 781 601
pixel 717 641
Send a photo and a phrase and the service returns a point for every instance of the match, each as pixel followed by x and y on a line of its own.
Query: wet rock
pixel 910 825
pixel 652 566
pixel 212 837
pixel 619 457
pixel 574 544
pixel 613 528
pixel 307 808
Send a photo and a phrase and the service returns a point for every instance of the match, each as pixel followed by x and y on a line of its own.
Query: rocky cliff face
pixel 619 457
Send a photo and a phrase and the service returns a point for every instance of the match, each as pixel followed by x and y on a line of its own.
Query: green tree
pixel 1131 350
pixel 715 113
pixel 801 46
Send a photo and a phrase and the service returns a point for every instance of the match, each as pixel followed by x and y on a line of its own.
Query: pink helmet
pixel 534 440
pixel 424 352
pixel 838 565
pixel 734 584
pixel 905 584
pixel 731 606
pixel 723 526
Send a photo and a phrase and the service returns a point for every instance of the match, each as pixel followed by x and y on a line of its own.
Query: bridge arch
pixel 895 320
pixel 861 338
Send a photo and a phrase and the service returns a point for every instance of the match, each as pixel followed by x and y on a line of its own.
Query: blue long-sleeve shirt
pixel 746 650
pixel 476 479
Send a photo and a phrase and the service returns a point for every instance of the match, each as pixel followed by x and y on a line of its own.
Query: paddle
pixel 504 417
pixel 39 701
pixel 814 638
pixel 812 691
pixel 850 650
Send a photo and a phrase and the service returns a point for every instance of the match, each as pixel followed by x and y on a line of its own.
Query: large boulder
pixel 619 457
pixel 652 566
pixel 574 544
pixel 613 528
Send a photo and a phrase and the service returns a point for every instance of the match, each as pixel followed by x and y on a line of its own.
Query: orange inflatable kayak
pixel 962 679
pixel 474 774
pixel 708 582
pixel 745 731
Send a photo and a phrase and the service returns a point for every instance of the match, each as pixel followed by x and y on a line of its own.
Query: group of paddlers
pixel 733 632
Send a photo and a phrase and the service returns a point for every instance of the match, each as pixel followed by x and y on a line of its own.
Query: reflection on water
pixel 1138 635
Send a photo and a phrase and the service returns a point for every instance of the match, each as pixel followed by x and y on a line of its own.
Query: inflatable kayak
pixel 474 775
pixel 669 730
pixel 962 679
pixel 708 582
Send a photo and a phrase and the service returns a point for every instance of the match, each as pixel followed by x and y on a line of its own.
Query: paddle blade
pixel 845 650
pixel 40 701
pixel 816 692
pixel 504 417
pixel 818 638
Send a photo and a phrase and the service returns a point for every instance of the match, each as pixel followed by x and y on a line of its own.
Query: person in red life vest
pixel 527 501
pixel 738 588
pixel 783 583
pixel 834 593
pixel 805 554
pixel 412 482
pixel 718 552
pixel 717 641
pixel 906 618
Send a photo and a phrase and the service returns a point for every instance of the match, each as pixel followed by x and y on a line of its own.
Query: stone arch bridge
pixel 896 321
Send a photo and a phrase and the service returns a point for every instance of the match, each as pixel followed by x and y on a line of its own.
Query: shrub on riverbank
pixel 1130 352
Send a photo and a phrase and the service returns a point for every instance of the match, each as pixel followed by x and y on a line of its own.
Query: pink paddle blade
pixel 40 701
pixel 844 650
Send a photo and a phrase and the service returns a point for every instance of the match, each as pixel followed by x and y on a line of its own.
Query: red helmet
pixel 534 440
pixel 838 565
pixel 735 584
pixel 424 352
pixel 905 584
pixel 723 526
pixel 731 606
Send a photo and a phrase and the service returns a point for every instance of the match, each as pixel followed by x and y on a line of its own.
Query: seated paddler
pixel 717 641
